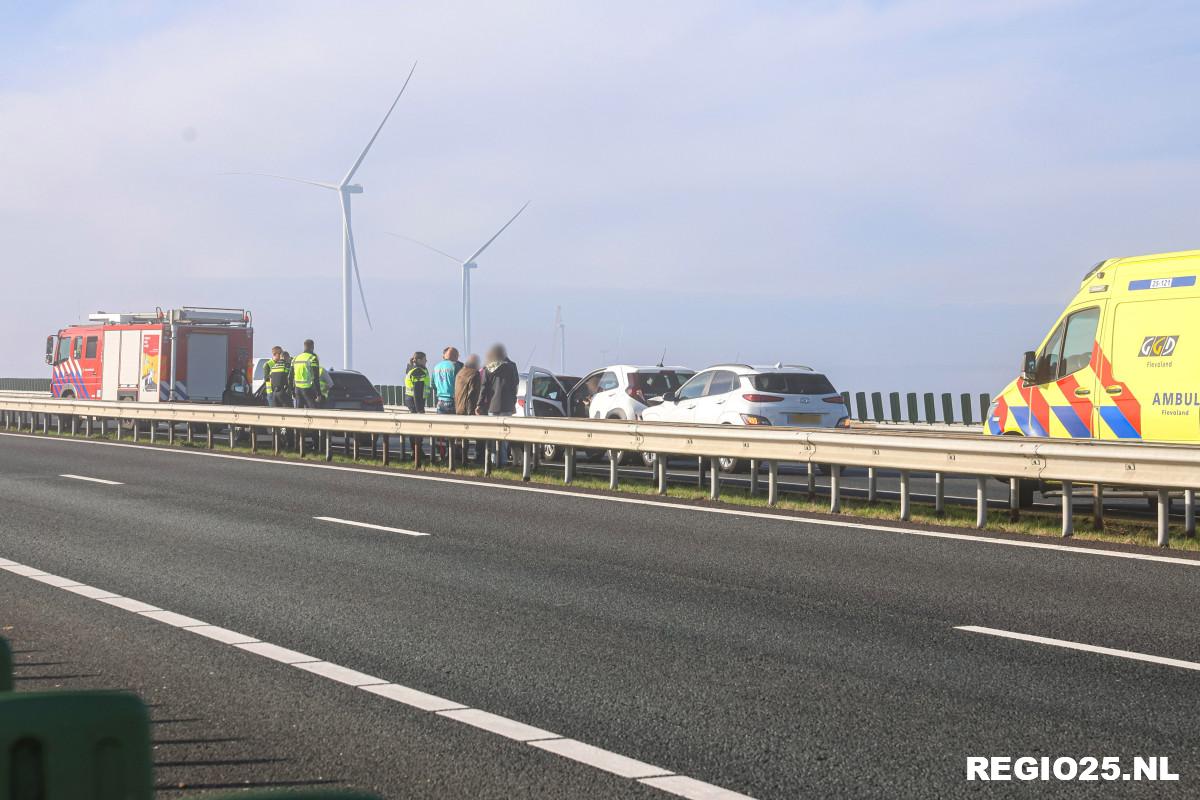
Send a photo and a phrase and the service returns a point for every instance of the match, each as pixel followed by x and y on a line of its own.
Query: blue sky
pixel 902 194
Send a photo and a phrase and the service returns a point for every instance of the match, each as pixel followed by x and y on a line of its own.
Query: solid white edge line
pixel 600 758
pixel 370 525
pixel 783 518
pixel 91 480
pixel 1086 648
pixel 592 756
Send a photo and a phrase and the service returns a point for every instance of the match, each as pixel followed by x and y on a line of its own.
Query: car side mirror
pixel 668 397
pixel 1029 367
pixel 50 349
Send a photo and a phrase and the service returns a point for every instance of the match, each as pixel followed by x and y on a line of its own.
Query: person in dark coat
pixel 498 392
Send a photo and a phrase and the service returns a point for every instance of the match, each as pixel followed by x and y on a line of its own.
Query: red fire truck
pixel 185 355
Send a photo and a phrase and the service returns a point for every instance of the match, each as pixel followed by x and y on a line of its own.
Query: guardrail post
pixel 87 427
pixel 486 444
pixel 353 446
pixel 190 432
pixel 232 436
pixel 905 500
pixel 700 472
pixel 1189 513
pixel 1098 507
pixel 980 501
pixel 753 477
pixel 569 465
pixel 872 485
pixel 208 435
pixel 58 424
pixel 253 439
pixel 1068 521
pixel 835 489
pixel 74 425
pixel 386 444
pixel 714 480
pixel 45 423
pixel 812 481
pixel 418 452
pixel 451 445
pixel 328 447
pixel 939 493
pixel 136 431
pixel 1164 518
pixel 660 472
pixel 772 482
pixel 526 462
pixel 153 430
pixel 612 469
pixel 6 421
pixel 300 442
pixel 118 421
pixel 375 453
pixel 1014 499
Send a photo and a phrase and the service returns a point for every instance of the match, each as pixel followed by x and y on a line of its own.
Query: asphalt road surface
pixel 541 643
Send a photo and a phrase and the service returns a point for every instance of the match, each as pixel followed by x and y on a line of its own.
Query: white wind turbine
pixel 345 188
pixel 559 344
pixel 467 265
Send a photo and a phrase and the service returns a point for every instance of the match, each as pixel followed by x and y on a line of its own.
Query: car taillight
pixel 373 401
pixel 761 398
pixel 755 419
pixel 844 422
pixel 636 394
pixel 521 402
pixel 834 398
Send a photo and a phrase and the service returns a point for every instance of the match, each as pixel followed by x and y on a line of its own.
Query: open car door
pixel 544 394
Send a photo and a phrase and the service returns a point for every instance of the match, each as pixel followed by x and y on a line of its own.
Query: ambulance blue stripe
pixel 1027 422
pixel 1163 283
pixel 1117 423
pixel 1069 417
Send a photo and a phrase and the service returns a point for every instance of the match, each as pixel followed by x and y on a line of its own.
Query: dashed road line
pixel 1086 648
pixel 580 752
pixel 371 525
pixel 677 507
pixel 91 480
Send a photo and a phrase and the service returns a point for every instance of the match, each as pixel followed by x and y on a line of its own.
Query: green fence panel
pixel 860 400
pixel 73 745
pixel 846 401
pixel 24 384
pixel 947 407
pixel 6 666
pixel 910 400
pixel 894 401
pixel 930 408
pixel 967 415
pixel 877 406
pixel 985 402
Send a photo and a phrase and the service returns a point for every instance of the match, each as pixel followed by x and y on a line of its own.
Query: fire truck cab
pixel 193 355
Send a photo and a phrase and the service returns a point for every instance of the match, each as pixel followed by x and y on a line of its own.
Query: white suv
pixel 624 391
pixel 739 394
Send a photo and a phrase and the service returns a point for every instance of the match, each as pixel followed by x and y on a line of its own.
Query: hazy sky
pixel 901 194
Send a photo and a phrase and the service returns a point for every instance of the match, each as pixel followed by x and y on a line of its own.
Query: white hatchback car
pixel 624 391
pixel 740 394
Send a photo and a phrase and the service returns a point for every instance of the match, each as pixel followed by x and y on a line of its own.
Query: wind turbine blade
pixel 489 241
pixel 287 178
pixel 358 162
pixel 362 296
pixel 455 259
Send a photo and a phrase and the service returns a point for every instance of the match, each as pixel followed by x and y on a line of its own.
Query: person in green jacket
pixel 416 383
pixel 306 377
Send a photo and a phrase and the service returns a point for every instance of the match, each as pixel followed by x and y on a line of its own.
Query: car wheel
pixel 649 460
pixel 549 452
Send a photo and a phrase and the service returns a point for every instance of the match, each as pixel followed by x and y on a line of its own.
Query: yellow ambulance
pixel 1122 362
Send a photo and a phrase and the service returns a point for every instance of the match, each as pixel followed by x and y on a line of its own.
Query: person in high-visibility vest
pixel 277 374
pixel 306 377
pixel 416 383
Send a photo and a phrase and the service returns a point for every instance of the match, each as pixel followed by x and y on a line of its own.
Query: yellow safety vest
pixel 306 368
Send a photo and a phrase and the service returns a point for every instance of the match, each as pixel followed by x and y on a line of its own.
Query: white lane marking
pixel 345 675
pixel 171 618
pixel 371 526
pixel 501 726
pixel 129 604
pixel 692 789
pixel 90 480
pixel 90 591
pixel 678 507
pixel 223 635
pixel 412 697
pixel 1086 648
pixel 21 569
pixel 493 723
pixel 55 580
pixel 276 653
pixel 600 759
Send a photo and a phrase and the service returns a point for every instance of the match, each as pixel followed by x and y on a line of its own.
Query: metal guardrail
pixel 1161 467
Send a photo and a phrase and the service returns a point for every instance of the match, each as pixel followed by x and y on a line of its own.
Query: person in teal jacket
pixel 443 376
